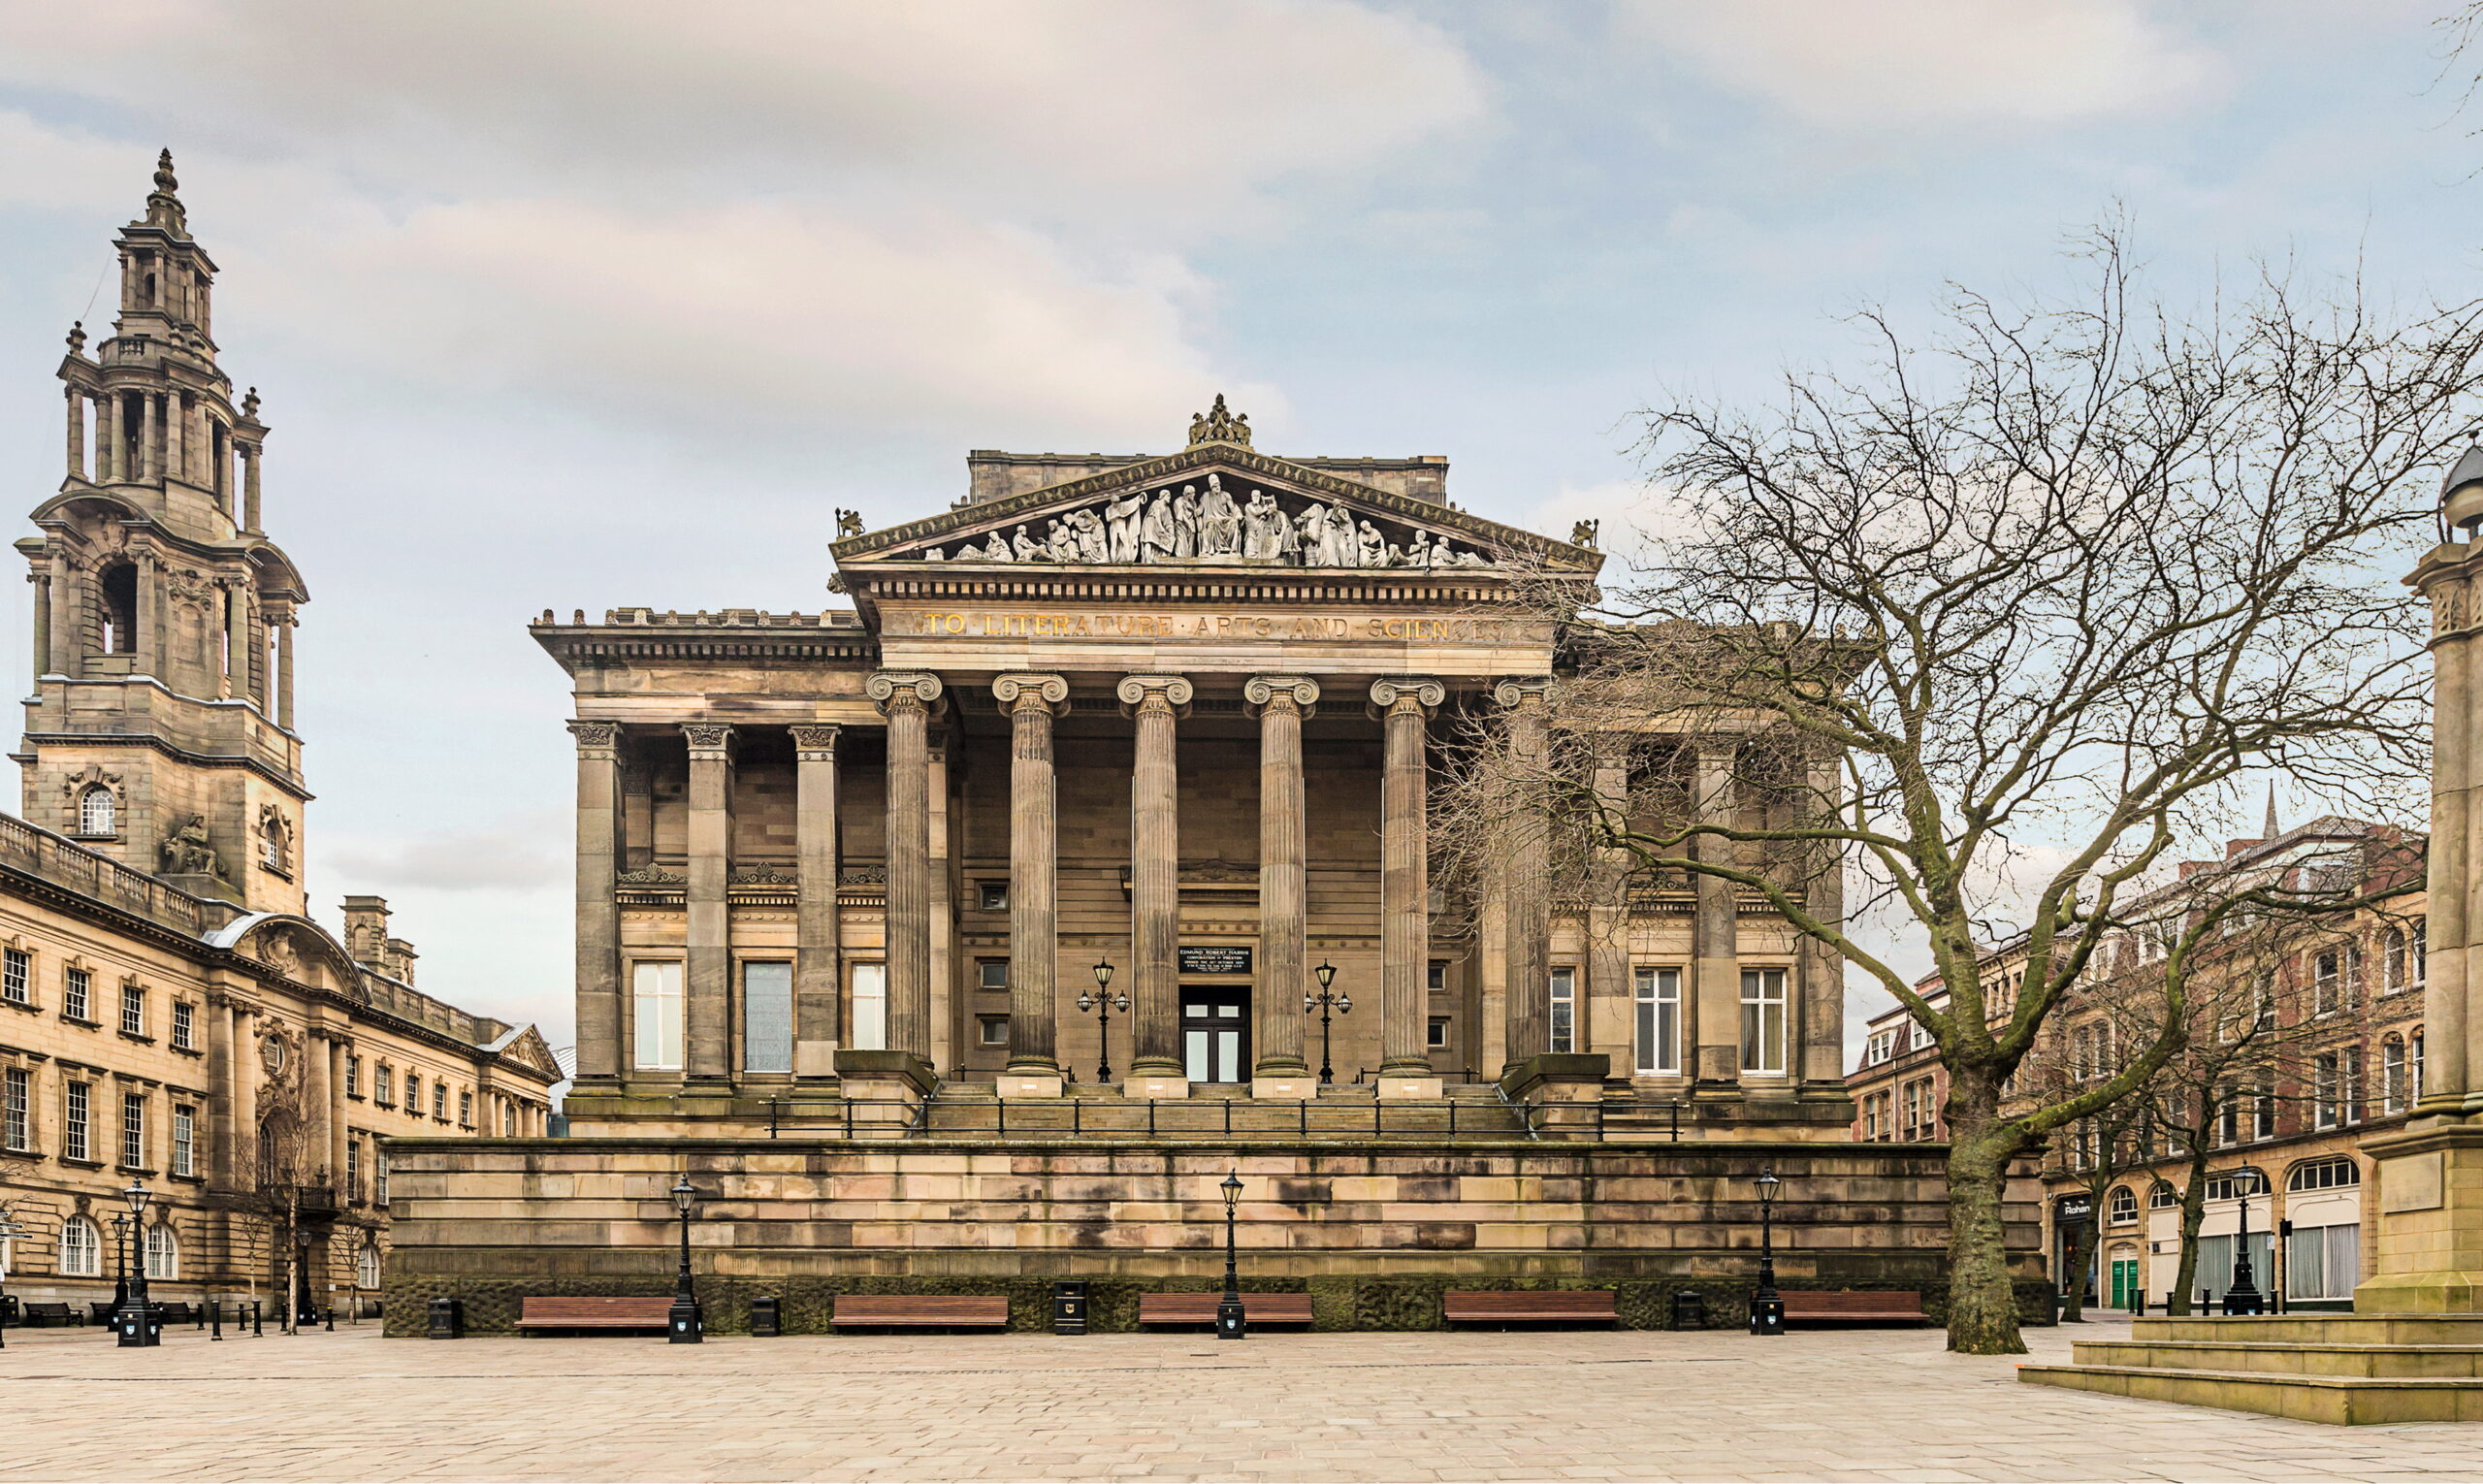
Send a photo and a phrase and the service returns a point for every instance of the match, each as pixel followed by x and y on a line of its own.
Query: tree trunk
pixel 2194 1210
pixel 1982 1302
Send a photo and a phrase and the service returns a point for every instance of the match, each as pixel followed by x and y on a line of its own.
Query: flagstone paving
pixel 1875 1404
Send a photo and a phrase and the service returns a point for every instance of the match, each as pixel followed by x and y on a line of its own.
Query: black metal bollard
pixel 332 1318
pixel 215 1318
pixel 258 1320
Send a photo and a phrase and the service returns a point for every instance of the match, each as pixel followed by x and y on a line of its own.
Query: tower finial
pixel 164 180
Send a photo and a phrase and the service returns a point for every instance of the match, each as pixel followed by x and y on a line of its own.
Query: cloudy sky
pixel 590 302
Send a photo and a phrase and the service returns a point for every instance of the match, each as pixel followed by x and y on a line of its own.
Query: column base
pixel 1156 1084
pixel 1406 1087
pixel 1030 1084
pixel 2428 1181
pixel 815 1059
pixel 1285 1086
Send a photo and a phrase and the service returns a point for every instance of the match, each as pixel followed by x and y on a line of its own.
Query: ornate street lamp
pixel 1228 1310
pixel 10 1232
pixel 136 1325
pixel 305 1311
pixel 683 1318
pixel 1103 1003
pixel 2244 1297
pixel 1766 1307
pixel 1344 1005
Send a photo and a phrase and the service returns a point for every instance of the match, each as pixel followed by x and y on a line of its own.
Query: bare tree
pixel 282 1179
pixel 2027 599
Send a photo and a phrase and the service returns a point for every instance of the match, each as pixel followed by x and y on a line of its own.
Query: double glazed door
pixel 1216 1034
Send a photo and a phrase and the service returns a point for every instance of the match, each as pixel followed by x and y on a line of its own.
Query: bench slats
pixel 594 1313
pixel 1903 1305
pixel 1497 1307
pixel 984 1310
pixel 1200 1308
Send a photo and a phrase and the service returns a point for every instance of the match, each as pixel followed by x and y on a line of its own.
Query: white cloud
pixel 510 855
pixel 1908 64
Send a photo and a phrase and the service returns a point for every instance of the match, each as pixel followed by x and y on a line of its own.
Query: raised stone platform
pixel 2341 1369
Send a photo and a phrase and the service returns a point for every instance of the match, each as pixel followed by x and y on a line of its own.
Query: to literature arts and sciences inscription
pixel 1201 626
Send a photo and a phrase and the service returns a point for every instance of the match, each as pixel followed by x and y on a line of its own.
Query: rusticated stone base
pixel 1374 1232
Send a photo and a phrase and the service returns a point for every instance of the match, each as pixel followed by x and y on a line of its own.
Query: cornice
pixel 35 739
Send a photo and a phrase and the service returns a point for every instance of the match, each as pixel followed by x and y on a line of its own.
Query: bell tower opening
pixel 117 593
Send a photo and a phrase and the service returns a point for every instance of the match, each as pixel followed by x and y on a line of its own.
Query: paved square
pixel 1869 1405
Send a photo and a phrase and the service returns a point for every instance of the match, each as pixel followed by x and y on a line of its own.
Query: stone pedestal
pixel 1559 1089
pixel 1030 1084
pixel 1400 1087
pixel 1290 1087
pixel 2428 1183
pixel 1152 1085
pixel 886 1088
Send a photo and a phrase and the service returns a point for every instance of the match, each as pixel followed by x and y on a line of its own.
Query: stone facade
pixel 168 1015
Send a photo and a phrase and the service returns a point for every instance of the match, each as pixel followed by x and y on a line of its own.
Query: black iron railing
pixel 1636 1119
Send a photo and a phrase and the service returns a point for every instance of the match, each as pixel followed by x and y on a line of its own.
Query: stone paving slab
pixel 1873 1405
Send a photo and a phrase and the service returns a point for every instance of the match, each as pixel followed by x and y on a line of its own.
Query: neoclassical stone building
pixel 169 1014
pixel 1174 715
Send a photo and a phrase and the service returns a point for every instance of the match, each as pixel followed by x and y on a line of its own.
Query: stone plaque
pixel 1215 961
pixel 2412 1183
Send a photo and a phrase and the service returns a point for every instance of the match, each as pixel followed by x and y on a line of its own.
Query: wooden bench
pixel 918 1311
pixel 36 1316
pixel 1579 1305
pixel 1853 1305
pixel 594 1313
pixel 102 1311
pixel 1200 1308
pixel 177 1314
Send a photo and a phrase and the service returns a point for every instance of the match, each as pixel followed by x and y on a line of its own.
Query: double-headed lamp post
pixel 1228 1310
pixel 134 1324
pixel 1766 1307
pixel 683 1318
pixel 1326 997
pixel 1103 1004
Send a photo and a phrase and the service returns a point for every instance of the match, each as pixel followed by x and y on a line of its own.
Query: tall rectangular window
pixel 2325 1103
pixel 2325 995
pixel 72 994
pixel 76 1133
pixel 133 1131
pixel 2351 1068
pixel 870 999
pixel 16 1100
pixel 1564 1009
pixel 767 1016
pixel 184 1140
pixel 353 1169
pixel 465 1110
pixel 379 1177
pixel 1658 998
pixel 16 968
pixel 133 1011
pixel 439 1101
pixel 184 1023
pixel 353 1076
pixel 657 991
pixel 381 1091
pixel 1763 1020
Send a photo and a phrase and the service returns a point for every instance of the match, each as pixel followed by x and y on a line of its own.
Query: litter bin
pixel 1069 1307
pixel 448 1319
pixel 1689 1309
pixel 766 1315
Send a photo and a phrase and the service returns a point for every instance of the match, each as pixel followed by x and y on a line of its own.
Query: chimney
pixel 400 961
pixel 2232 848
pixel 367 930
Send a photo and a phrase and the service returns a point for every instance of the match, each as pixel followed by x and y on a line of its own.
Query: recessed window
pixel 133 1011
pixel 77 1127
pixel 768 1016
pixel 440 1101
pixel 74 997
pixel 133 1131
pixel 353 1076
pixel 1658 992
pixel 366 1267
pixel 1763 1020
pixel 657 991
pixel 2123 1205
pixel 17 1098
pixel 413 1094
pixel 17 969
pixel 81 1248
pixel 184 1140
pixel 991 972
pixel 1437 977
pixel 96 815
pixel 992 895
pixel 869 1002
pixel 465 1110
pixel 1435 1033
pixel 1564 1009
pixel 163 1253
pixel 184 1025
pixel 995 1030
pixel 353 1169
pixel 382 1085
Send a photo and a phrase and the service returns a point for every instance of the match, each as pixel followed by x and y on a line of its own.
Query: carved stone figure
pixel 1583 533
pixel 1342 548
pixel 1374 546
pixel 187 853
pixel 1157 535
pixel 1120 518
pixel 1185 523
pixel 1307 529
pixel 848 523
pixel 935 554
pixel 1029 549
pixel 1220 522
pixel 1062 540
pixel 1261 526
pixel 997 549
pixel 1419 553
pixel 1094 542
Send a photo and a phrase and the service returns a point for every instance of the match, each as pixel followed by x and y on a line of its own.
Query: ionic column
pixel 1405 872
pixel 151 463
pixel 108 438
pixel 177 437
pixel 1156 702
pixel 709 976
pixel 1608 993
pixel 237 640
pixel 318 1111
pixel 1283 703
pixel 1526 888
pixel 68 627
pixel 337 1129
pixel 283 621
pixel 147 644
pixel 1716 932
pixel 1821 973
pixel 77 431
pixel 40 578
pixel 908 700
pixel 819 1007
pixel 249 453
pixel 1034 957
pixel 598 912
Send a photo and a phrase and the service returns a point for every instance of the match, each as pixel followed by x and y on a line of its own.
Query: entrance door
pixel 1216 1034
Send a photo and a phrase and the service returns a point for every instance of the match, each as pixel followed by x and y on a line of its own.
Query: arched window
pixel 366 1264
pixel 163 1252
pixel 2123 1205
pixel 95 813
pixel 2162 1195
pixel 275 844
pixel 2392 1074
pixel 2324 1173
pixel 81 1248
pixel 118 591
pixel 2392 960
pixel 2414 1066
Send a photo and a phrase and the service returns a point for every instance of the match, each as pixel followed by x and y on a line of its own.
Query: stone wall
pixel 1378 1229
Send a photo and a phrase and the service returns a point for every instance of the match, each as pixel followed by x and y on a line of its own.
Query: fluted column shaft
pixel 1405 872
pixel 1283 702
pixel 77 431
pixel 285 668
pixel 150 466
pixel 1525 884
pixel 906 701
pixel 1034 956
pixel 108 438
pixel 318 1107
pixel 1609 994
pixel 709 973
pixel 599 911
pixel 1155 885
pixel 146 647
pixel 249 453
pixel 68 615
pixel 237 640
pixel 1823 969
pixel 219 1128
pixel 819 973
pixel 1716 929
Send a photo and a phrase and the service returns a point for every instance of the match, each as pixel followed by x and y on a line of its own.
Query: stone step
pixel 2335 1400
pixel 2316 1329
pixel 2285 1357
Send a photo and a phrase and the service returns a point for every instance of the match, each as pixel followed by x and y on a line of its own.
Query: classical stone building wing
pixel 525 1047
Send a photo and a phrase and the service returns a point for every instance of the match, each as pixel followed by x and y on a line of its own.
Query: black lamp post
pixel 2244 1297
pixel 1343 1003
pixel 10 1232
pixel 682 1317
pixel 120 1266
pixel 1767 1307
pixel 305 1310
pixel 136 1325
pixel 1228 1310
pixel 1103 1004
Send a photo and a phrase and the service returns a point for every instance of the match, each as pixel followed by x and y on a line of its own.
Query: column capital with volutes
pixel 1517 691
pixel 1388 691
pixel 1260 691
pixel 815 741
pixel 1019 688
pixel 1138 693
pixel 596 738
pixel 890 689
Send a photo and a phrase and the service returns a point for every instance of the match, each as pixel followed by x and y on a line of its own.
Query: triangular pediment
pixel 527 1049
pixel 1214 506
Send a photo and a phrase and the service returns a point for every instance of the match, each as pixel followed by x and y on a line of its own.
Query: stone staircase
pixel 1215 1112
pixel 2313 1368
